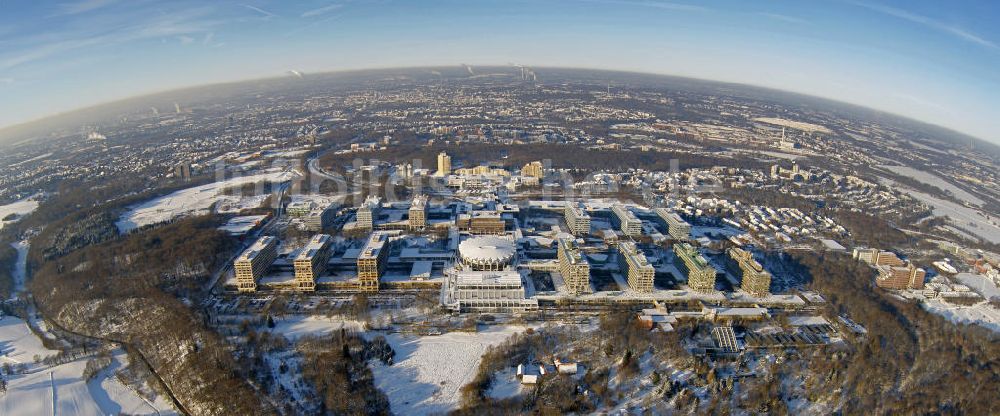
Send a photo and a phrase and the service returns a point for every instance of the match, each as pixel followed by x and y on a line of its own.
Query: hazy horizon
pixel 930 62
pixel 540 69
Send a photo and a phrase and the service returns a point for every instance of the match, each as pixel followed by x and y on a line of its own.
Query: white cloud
pixel 322 10
pixel 267 14
pixel 83 6
pixel 928 22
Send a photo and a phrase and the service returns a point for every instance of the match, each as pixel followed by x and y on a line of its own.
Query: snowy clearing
pixel 429 370
pixel 297 326
pixel 19 208
pixel 61 389
pixel 981 313
pixel 934 180
pixel 197 200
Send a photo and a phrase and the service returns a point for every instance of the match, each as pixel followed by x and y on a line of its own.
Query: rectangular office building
pixel 754 279
pixel 634 265
pixel 676 226
pixel 254 262
pixel 573 267
pixel 373 259
pixel 311 262
pixel 700 274
pixel 627 221
pixel 577 219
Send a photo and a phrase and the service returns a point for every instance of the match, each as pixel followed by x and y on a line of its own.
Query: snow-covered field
pixel 20 268
pixel 979 283
pixel 429 370
pixel 981 313
pixel 296 326
pixel 61 389
pixel 20 208
pixel 963 217
pixel 197 200
pixel 934 180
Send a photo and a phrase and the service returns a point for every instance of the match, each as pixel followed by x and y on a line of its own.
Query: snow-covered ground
pixel 981 313
pixel 429 370
pixel 18 345
pixel 61 389
pixel 979 283
pixel 296 326
pixel 20 208
pixel 967 219
pixel 20 268
pixel 505 384
pixel 197 200
pixel 934 180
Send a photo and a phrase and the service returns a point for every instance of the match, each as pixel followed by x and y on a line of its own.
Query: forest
pixel 128 290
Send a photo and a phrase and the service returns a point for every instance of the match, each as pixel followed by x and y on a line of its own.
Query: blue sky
pixel 935 61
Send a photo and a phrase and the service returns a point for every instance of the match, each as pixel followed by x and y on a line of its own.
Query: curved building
pixel 487 253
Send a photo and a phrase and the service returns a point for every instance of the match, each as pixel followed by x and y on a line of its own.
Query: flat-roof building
pixel 368 211
pixel 635 266
pixel 311 261
pixel 319 217
pixel 900 277
pixel 534 169
pixel 444 164
pixel 418 213
pixel 485 291
pixel 573 267
pixel 373 259
pixel 254 262
pixel 700 274
pixel 676 226
pixel 627 222
pixel 755 280
pixel 577 219
pixel 481 222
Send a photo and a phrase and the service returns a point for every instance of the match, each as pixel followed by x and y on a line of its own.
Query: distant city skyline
pixel 935 62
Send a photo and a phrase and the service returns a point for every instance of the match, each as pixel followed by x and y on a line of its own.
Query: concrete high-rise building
pixel 577 219
pixel 876 257
pixel 368 211
pixel 755 280
pixel 299 209
pixel 676 226
pixel 418 213
pixel 310 263
pixel 700 274
pixel 627 221
pixel 444 164
pixel 254 262
pixel 634 265
pixel 534 169
pixel 573 267
pixel 183 170
pixel 900 277
pixel 319 217
pixel 373 259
